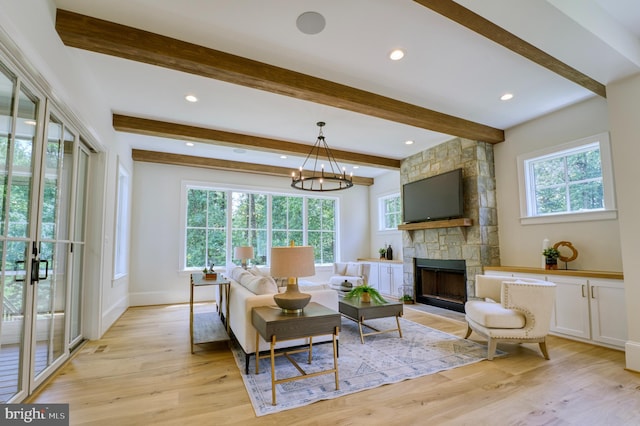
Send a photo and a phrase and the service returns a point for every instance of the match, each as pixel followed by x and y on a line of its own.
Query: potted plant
pixel 209 274
pixel 406 299
pixel 366 293
pixel 405 294
pixel 551 255
pixel 383 253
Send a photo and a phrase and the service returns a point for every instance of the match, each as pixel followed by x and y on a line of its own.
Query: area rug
pixel 382 359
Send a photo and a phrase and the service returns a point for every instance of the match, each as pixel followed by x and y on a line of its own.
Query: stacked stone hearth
pixel 477 244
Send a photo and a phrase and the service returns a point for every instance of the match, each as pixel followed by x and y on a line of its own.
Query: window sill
pixel 570 217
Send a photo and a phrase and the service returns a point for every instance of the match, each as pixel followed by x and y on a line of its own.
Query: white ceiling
pixel 447 68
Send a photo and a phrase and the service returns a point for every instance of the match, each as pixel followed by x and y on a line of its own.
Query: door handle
pixel 35 264
pixel 35 270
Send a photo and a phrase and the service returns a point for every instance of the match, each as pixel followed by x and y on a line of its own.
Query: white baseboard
pixel 113 313
pixel 632 354
pixel 147 298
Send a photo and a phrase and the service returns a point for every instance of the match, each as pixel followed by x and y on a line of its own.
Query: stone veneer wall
pixel 477 244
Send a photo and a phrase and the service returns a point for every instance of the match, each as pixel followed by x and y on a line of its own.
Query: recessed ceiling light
pixel 284 157
pixel 191 98
pixel 506 96
pixel 310 23
pixel 409 142
pixel 396 54
pixel 356 167
pixel 189 144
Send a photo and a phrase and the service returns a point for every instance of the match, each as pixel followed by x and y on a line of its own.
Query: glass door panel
pixel 54 246
pixel 12 327
pixel 18 125
pixel 51 302
pixel 75 307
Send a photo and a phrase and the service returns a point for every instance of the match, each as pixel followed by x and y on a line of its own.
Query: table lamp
pixel 243 253
pixel 292 262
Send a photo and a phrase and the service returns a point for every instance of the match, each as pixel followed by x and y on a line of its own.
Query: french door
pixel 43 173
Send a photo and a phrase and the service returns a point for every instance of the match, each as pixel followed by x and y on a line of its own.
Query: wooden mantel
pixel 451 223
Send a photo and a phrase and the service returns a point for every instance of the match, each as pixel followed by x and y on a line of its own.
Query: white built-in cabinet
pixel 386 277
pixel 586 308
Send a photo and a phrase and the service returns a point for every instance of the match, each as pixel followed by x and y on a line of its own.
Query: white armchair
pixel 353 273
pixel 512 310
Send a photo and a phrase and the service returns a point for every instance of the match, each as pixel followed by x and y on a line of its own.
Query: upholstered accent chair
pixel 511 310
pixel 347 275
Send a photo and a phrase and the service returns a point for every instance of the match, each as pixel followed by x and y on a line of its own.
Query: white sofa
pixel 254 288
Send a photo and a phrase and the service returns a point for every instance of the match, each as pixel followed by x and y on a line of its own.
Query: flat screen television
pixel 434 198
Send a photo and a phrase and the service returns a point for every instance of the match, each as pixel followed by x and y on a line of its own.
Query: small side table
pixel 274 325
pixel 203 330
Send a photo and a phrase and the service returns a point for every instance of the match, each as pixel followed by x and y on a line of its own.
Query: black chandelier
pixel 327 178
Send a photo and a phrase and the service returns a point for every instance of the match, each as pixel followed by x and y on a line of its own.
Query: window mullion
pixel 567 193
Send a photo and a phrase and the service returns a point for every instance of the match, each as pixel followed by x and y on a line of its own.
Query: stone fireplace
pixel 469 247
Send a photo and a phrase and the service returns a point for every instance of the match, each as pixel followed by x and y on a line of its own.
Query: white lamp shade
pixel 296 261
pixel 243 253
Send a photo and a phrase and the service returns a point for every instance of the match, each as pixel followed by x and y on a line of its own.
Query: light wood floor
pixel 142 373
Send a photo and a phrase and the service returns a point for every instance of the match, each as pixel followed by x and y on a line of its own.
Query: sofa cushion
pixel 258 285
pixel 493 315
pixel 305 286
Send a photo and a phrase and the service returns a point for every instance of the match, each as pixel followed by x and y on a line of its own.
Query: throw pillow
pixel 237 272
pixel 354 269
pixel 339 268
pixel 259 272
pixel 259 285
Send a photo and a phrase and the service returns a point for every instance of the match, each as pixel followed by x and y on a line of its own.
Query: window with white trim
pixel 390 212
pixel 217 220
pixel 568 182
pixel 121 246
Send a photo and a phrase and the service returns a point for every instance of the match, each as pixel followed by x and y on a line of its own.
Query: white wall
pixel 156 225
pixel 624 104
pixel 597 242
pixel 384 185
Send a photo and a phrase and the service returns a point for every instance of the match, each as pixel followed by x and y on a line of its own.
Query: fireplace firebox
pixel 441 283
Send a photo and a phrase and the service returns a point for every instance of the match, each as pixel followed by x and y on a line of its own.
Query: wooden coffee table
pixel 357 311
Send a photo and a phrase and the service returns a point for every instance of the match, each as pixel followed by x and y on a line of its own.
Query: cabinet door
pixel 397 279
pixel 608 313
pixel 385 279
pixel 571 310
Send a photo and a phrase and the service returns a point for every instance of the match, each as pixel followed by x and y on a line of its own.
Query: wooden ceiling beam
pixel 217 164
pixel 109 38
pixel 471 20
pixel 163 129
